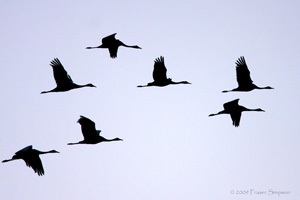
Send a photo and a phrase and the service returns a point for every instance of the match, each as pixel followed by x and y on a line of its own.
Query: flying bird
pixel 90 134
pixel 160 75
pixel 112 44
pixel 235 111
pixel 31 158
pixel 245 84
pixel 63 79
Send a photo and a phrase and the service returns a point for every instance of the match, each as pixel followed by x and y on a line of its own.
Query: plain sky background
pixel 171 148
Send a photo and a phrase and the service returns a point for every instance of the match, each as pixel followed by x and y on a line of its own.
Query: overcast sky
pixel 171 148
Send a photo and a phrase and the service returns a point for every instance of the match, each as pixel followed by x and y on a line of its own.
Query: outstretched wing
pixel 24 150
pixel 160 70
pixel 113 51
pixel 34 161
pixel 231 105
pixel 242 73
pixel 60 74
pixel 88 128
pixel 111 43
pixel 109 39
pixel 236 117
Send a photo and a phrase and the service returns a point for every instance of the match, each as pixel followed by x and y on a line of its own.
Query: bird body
pixel 63 80
pixel 235 111
pixel 160 75
pixel 112 44
pixel 90 134
pixel 31 158
pixel 245 84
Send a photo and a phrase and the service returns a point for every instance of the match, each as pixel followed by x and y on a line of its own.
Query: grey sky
pixel 171 148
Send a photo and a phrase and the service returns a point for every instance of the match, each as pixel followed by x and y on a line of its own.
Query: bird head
pixel 118 139
pixel 53 151
pixel 137 47
pixel 90 85
pixel 185 82
pixel 259 109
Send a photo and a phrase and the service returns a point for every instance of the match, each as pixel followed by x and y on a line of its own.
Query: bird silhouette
pixel 243 78
pixel 31 158
pixel 63 79
pixel 235 111
pixel 112 44
pixel 160 75
pixel 90 134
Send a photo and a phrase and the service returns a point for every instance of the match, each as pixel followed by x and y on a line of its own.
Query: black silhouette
pixel 243 78
pixel 160 75
pixel 112 45
pixel 63 79
pixel 90 134
pixel 235 111
pixel 31 158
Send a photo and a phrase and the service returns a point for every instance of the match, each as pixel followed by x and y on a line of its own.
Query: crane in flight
pixel 160 75
pixel 31 158
pixel 245 84
pixel 235 111
pixel 112 44
pixel 90 134
pixel 63 80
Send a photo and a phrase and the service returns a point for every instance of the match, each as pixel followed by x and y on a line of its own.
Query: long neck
pixel 110 140
pixel 248 109
pixel 257 109
pixel 130 46
pixel 180 82
pixel 261 88
pixel 45 152
pixel 133 46
pixel 80 86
